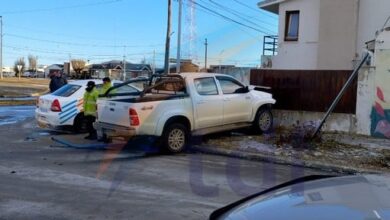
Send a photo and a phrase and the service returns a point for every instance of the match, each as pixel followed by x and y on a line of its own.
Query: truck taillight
pixel 134 120
pixel 55 106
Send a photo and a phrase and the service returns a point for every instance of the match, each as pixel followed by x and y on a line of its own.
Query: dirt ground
pixel 13 87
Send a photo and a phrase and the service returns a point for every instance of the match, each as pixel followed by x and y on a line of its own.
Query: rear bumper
pixel 46 119
pixel 111 130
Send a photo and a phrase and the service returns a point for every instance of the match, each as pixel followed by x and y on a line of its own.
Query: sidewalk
pixel 336 152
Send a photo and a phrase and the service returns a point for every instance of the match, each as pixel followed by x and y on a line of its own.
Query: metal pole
pixel 341 93
pixel 124 68
pixel 205 55
pixel 154 62
pixel 178 62
pixel 168 39
pixel 1 47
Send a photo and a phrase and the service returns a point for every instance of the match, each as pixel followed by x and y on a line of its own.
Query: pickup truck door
pixel 208 104
pixel 237 101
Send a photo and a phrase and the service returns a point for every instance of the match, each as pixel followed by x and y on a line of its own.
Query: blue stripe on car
pixel 72 102
pixel 66 119
pixel 66 110
pixel 69 113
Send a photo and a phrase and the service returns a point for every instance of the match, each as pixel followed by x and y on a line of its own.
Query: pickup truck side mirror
pixel 242 90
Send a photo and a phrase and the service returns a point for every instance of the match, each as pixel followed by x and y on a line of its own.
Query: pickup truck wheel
pixel 80 125
pixel 264 120
pixel 175 138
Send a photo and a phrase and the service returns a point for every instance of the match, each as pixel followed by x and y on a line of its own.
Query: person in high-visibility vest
pixel 90 97
pixel 106 86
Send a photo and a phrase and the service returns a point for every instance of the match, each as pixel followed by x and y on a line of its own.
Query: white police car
pixel 64 107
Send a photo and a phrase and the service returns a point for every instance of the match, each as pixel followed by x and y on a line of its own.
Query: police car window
pixel 206 86
pixel 124 89
pixel 229 86
pixel 67 90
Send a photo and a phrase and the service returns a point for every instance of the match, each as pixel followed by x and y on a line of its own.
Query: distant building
pixel 114 70
pixel 186 67
pixel 49 70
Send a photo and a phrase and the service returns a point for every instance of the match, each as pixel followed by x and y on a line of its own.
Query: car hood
pixel 349 197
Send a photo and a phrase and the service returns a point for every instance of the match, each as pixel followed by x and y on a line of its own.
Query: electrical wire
pixel 78 44
pixel 258 11
pixel 60 8
pixel 229 19
pixel 240 15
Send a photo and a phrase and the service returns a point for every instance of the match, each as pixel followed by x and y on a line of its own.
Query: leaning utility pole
pixel 205 55
pixel 1 47
pixel 168 38
pixel 178 61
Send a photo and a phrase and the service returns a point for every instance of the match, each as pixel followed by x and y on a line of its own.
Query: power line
pixel 35 30
pixel 240 15
pixel 73 53
pixel 247 6
pixel 78 44
pixel 229 19
pixel 60 8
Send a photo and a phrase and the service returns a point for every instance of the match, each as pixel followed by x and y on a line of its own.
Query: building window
pixel 292 26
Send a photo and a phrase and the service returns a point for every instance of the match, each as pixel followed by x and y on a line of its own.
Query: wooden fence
pixel 307 90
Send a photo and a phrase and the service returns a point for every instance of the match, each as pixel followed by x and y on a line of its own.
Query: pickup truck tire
pixel 80 125
pixel 263 121
pixel 175 138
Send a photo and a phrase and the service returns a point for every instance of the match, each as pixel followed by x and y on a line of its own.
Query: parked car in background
pixel 316 197
pixel 64 107
pixel 9 74
pixel 29 74
pixel 174 107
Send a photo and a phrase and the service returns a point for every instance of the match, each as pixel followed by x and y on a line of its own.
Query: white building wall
pixel 337 34
pixel 371 18
pixel 301 54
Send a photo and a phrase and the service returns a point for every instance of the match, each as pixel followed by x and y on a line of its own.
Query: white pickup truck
pixel 174 107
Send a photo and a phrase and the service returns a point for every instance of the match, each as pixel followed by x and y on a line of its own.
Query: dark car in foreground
pixel 316 197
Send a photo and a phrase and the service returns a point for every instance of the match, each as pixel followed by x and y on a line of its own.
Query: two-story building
pixel 329 37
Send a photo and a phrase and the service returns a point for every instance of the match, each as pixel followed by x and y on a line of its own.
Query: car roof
pixel 84 82
pixel 194 75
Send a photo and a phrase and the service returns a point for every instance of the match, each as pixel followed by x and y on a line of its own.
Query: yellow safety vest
pixel 105 88
pixel 90 99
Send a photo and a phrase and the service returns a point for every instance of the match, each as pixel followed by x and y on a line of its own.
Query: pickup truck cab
pixel 174 107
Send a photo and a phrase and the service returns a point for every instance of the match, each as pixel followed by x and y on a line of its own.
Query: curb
pixel 281 161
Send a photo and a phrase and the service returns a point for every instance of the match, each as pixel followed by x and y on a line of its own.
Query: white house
pixel 324 34
pixel 333 35
pixel 54 67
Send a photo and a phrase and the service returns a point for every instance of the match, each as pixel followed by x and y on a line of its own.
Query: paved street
pixel 38 181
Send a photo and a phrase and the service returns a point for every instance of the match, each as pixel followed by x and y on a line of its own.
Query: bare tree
pixel 78 65
pixel 32 63
pixel 19 61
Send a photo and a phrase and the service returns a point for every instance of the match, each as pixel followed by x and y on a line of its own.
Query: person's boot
pixel 93 136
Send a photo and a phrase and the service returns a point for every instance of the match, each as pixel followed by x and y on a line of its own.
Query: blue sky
pixel 102 30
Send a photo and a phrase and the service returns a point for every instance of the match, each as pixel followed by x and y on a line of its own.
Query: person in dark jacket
pixel 57 81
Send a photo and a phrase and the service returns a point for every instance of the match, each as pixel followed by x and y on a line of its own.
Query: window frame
pixel 289 15
pixel 219 78
pixel 215 83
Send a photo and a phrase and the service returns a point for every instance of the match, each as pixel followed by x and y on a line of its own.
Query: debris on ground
pixel 334 149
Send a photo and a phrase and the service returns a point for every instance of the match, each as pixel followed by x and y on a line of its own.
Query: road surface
pixel 40 181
